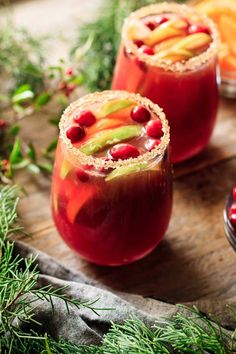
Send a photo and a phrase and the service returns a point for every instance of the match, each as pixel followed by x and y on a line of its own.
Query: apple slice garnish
pixel 66 167
pixel 138 30
pixel 105 123
pixel 113 106
pixel 194 42
pixel 167 43
pixel 126 170
pixel 167 30
pixel 174 55
pixel 109 137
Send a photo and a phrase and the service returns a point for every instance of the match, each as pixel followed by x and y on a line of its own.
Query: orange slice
pixel 163 32
pixel 167 43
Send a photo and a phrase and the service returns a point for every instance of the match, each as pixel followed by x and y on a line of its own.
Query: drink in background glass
pixel 223 13
pixel 230 217
pixel 112 181
pixel 168 54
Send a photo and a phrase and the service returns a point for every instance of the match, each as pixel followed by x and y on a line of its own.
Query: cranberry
pixel 232 208
pixel 159 21
pixel 69 71
pixel 152 143
pixel 123 151
pixel 140 114
pixel 138 43
pixel 69 89
pixel 232 219
pixel 151 25
pixel 82 175
pixel 85 118
pixel 234 193
pixel 197 29
pixel 75 133
pixel 154 129
pixel 3 123
pixel 147 50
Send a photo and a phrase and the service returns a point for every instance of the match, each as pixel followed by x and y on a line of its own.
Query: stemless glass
pixel 186 90
pixel 111 221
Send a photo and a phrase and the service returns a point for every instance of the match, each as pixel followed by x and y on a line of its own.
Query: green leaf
pixel 15 155
pixel 54 121
pixel 22 88
pixel 51 147
pixel 23 96
pixel 23 163
pixel 77 80
pixel 33 168
pixel 43 99
pixel 14 129
pixel 31 153
pixel 45 167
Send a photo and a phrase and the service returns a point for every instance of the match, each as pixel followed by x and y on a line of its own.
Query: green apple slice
pixel 66 167
pixel 110 137
pixel 126 170
pixel 113 106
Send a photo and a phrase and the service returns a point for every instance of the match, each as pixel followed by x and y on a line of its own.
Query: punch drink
pixel 112 181
pixel 168 54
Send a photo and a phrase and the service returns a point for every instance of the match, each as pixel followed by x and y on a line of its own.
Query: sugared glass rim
pixel 182 66
pixel 99 97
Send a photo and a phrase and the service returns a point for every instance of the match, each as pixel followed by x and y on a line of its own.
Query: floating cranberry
pixel 160 20
pixel 123 151
pixel 82 175
pixel 75 134
pixel 138 43
pixel 234 193
pixel 198 29
pixel 85 118
pixel 151 25
pixel 147 50
pixel 154 129
pixel 69 71
pixel 152 143
pixel 140 114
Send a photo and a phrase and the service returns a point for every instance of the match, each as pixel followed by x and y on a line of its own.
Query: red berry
pixel 232 209
pixel 147 50
pixel 197 29
pixel 151 25
pixel 69 89
pixel 69 71
pixel 234 193
pixel 138 43
pixel 160 20
pixel 154 129
pixel 82 175
pixel 123 151
pixel 140 114
pixel 151 143
pixel 232 219
pixel 75 133
pixel 85 118
pixel 3 123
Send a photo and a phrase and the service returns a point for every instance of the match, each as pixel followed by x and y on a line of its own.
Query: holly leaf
pixel 43 99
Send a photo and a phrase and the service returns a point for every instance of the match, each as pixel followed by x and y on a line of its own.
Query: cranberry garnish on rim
pixel 123 151
pixel 198 29
pixel 85 118
pixel 154 129
pixel 138 43
pixel 75 134
pixel 140 114
pixel 151 25
pixel 152 143
pixel 160 20
pixel 147 50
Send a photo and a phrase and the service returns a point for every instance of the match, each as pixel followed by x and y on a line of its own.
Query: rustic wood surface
pixel 194 261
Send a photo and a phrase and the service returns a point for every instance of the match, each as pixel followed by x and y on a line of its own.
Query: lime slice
pixel 113 106
pixel 126 170
pixel 110 137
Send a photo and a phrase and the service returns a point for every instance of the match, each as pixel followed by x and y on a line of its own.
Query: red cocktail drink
pixel 112 182
pixel 168 54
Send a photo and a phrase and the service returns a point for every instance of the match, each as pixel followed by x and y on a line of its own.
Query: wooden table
pixel 194 261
